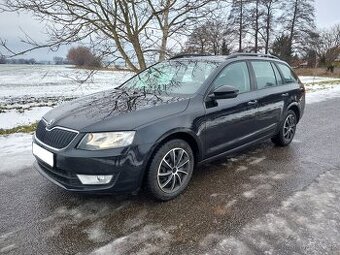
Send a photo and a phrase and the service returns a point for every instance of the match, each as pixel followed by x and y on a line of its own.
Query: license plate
pixel 43 154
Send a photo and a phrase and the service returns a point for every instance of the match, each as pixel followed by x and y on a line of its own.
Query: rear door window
pixel 235 75
pixel 288 75
pixel 264 74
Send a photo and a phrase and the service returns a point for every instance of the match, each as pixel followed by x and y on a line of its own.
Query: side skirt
pixel 234 150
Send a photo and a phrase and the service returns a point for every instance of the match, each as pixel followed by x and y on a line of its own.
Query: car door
pixel 229 122
pixel 292 89
pixel 270 96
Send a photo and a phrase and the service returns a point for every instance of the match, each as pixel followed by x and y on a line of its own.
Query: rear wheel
pixel 287 130
pixel 170 170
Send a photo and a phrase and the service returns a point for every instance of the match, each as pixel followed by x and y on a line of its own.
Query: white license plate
pixel 43 154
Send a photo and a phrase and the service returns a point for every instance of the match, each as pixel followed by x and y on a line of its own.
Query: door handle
pixel 284 94
pixel 253 102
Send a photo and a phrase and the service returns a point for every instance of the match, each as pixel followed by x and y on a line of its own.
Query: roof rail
pixel 188 55
pixel 235 55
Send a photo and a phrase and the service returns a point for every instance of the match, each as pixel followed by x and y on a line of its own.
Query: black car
pixel 153 130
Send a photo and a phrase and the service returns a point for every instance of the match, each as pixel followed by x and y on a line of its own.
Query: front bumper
pixel 126 165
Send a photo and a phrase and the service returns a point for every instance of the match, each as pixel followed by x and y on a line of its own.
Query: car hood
pixel 114 110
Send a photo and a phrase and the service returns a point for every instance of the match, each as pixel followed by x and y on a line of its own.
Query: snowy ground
pixel 305 223
pixel 28 92
pixel 15 153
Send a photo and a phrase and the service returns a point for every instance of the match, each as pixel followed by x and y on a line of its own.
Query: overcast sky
pixel 327 14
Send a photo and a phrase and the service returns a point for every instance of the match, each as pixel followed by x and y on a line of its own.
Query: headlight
pixel 109 140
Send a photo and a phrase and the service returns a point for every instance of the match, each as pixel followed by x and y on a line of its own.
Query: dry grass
pixel 19 129
pixel 317 72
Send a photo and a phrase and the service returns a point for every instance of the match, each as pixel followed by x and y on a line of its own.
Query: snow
pixel 96 233
pixel 15 153
pixel 14 118
pixel 257 191
pixel 316 79
pixel 42 81
pixel 256 160
pixel 27 92
pixel 305 223
pixel 323 95
pixel 151 239
pixel 8 248
pixel 320 89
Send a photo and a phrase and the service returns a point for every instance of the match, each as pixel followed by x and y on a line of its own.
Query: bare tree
pixel 269 19
pixel 207 38
pixel 178 17
pixel 253 14
pixel 122 28
pixel 2 59
pixel 197 41
pixel 237 20
pixel 299 21
pixel 327 45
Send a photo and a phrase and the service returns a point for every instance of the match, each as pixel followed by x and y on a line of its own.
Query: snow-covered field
pixel 28 92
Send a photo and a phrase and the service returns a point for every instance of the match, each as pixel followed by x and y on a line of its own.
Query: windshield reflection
pixel 183 77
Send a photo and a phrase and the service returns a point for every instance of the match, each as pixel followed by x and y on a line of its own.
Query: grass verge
pixel 19 129
pixel 322 72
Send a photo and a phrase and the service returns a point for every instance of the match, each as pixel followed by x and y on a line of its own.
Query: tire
pixel 287 130
pixel 166 178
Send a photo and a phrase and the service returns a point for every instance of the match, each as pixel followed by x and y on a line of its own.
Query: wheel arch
pixel 184 134
pixel 296 109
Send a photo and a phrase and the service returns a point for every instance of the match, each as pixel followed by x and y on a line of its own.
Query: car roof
pixel 224 58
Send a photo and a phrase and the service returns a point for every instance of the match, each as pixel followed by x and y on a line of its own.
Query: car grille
pixel 56 137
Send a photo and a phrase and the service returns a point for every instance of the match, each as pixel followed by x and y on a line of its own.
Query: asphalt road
pixel 221 212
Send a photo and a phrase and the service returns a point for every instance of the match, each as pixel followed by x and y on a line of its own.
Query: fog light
pixel 94 179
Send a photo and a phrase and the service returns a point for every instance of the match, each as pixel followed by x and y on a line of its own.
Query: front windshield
pixel 183 77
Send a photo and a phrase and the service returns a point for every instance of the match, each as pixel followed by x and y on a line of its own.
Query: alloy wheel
pixel 289 127
pixel 173 170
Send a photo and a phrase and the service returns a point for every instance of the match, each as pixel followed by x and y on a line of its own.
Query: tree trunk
pixel 292 28
pixel 139 53
pixel 241 27
pixel 268 29
pixel 165 33
pixel 256 26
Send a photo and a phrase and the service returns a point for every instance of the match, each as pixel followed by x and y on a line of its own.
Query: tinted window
pixel 288 75
pixel 172 77
pixel 278 75
pixel 234 75
pixel 264 74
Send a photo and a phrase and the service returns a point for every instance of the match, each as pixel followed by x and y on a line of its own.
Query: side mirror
pixel 224 92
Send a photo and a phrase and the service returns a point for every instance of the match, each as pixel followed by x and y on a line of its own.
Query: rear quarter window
pixel 288 75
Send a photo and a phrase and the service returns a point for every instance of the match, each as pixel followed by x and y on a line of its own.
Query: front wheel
pixel 287 130
pixel 170 170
